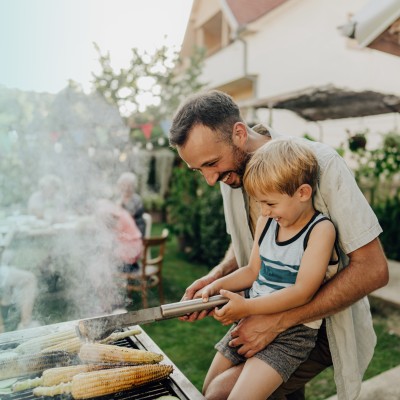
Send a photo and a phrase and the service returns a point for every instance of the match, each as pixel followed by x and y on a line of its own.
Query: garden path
pixel 386 385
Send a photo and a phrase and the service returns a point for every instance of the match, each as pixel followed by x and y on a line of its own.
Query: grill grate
pixel 146 392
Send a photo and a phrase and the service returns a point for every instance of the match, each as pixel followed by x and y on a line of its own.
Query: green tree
pixel 159 75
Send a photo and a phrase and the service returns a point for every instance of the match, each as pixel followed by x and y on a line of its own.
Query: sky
pixel 44 43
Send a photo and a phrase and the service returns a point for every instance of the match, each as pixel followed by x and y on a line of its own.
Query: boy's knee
pixel 221 386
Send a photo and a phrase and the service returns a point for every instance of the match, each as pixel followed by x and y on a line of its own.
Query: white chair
pixel 147 232
pixel 148 221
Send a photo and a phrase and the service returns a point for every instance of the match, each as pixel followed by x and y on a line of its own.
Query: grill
pixel 176 385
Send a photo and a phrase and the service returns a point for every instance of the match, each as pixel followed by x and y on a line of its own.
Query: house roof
pixel 330 102
pixel 377 26
pixel 246 11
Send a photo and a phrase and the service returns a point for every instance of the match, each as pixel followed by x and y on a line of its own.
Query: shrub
pixel 214 238
pixel 195 215
pixel 388 213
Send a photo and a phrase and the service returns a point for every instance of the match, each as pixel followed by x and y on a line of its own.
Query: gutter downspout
pixel 245 51
pixel 239 37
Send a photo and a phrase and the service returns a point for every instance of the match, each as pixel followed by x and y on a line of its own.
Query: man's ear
pixel 239 134
pixel 304 192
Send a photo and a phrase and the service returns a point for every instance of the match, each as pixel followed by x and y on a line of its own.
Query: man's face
pixel 215 159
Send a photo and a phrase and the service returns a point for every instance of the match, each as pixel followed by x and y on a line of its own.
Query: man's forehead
pixel 202 147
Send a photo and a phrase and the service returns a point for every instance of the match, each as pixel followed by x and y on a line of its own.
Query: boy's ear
pixel 239 134
pixel 305 192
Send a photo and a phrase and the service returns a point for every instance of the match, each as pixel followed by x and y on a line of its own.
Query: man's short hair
pixel 213 109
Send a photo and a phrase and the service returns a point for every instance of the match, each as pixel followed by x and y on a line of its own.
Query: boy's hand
pixel 208 291
pixel 234 310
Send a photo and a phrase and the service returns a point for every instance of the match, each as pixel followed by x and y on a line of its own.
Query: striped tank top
pixel 280 261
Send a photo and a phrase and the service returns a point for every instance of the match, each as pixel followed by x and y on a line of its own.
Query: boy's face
pixel 215 159
pixel 284 209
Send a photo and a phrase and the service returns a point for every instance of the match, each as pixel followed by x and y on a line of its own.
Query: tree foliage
pixel 159 76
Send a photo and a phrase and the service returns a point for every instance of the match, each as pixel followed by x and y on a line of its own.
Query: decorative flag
pixel 146 129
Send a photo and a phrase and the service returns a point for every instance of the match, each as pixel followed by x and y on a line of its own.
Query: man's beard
pixel 241 159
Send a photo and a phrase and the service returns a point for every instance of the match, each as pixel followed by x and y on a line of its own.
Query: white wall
pixel 297 46
pixel 332 132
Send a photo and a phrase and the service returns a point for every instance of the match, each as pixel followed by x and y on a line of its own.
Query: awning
pixel 377 25
pixel 330 102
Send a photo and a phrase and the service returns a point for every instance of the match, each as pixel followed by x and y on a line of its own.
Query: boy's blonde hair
pixel 281 165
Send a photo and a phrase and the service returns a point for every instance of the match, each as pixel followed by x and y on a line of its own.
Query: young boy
pixel 293 247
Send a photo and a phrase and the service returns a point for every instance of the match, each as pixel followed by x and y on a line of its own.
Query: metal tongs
pixel 98 328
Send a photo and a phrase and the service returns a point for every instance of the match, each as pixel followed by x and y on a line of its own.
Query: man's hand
pixel 254 333
pixel 195 291
pixel 227 265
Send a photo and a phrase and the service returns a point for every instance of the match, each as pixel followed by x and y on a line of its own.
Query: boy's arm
pixel 243 277
pixel 349 285
pixel 309 279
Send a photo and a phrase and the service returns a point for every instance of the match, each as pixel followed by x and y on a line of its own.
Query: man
pixel 212 138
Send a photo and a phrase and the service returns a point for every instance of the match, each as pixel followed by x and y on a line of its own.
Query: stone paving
pixel 385 386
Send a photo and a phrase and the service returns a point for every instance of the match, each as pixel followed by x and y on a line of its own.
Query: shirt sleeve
pixel 339 196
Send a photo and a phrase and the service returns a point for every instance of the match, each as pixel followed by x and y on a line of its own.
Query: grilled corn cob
pixel 36 344
pixel 55 376
pixel 73 345
pixel 99 383
pixel 107 353
pixel 19 365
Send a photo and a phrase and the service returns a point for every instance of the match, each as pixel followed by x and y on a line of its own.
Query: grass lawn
pixel 191 345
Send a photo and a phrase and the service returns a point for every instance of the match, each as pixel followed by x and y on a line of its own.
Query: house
pixel 287 65
pixel 377 26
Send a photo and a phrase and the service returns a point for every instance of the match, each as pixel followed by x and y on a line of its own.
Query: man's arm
pixel 225 267
pixel 367 271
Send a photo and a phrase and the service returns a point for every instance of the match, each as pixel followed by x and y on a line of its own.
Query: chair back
pixel 147 232
pixel 150 274
pixel 153 252
pixel 148 221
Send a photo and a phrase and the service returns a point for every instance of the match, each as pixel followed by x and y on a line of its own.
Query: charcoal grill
pixel 176 385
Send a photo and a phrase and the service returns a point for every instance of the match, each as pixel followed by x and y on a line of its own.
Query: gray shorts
pixel 284 354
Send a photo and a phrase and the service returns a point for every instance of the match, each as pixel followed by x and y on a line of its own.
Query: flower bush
pixel 378 175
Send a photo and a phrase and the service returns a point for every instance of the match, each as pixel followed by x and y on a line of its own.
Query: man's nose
pixel 211 177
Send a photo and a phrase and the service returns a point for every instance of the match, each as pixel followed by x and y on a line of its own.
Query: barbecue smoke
pixel 73 265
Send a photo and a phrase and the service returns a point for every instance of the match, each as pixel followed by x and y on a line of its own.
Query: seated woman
pixel 127 244
pixel 130 200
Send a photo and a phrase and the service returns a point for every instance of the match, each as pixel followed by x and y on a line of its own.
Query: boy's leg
pixel 256 382
pixel 319 359
pixel 220 378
